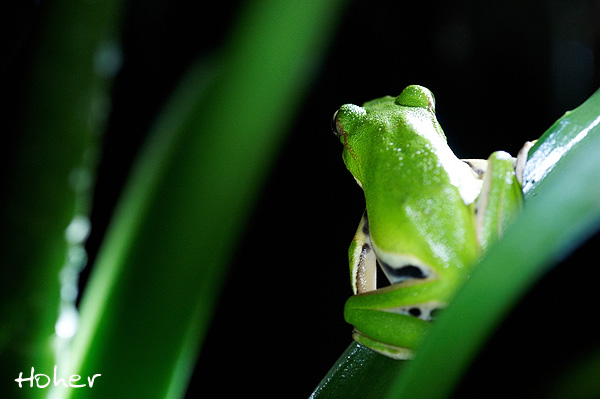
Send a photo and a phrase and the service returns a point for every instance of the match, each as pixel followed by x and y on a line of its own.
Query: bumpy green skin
pixel 421 203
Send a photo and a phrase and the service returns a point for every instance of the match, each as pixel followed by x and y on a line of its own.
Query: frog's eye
pixel 416 96
pixel 346 119
pixel 334 127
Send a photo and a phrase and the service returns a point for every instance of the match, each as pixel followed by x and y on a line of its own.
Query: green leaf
pixel 580 381
pixel 566 188
pixel 49 178
pixel 565 135
pixel 155 283
pixel 358 373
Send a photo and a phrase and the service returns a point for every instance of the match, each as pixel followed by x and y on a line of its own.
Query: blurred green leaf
pixel 49 178
pixel 566 188
pixel 580 381
pixel 151 294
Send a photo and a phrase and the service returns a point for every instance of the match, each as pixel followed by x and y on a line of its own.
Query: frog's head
pixel 347 124
pixel 386 124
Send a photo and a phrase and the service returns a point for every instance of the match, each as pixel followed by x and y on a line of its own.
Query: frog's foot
pixel 522 160
pixel 478 166
pixel 392 351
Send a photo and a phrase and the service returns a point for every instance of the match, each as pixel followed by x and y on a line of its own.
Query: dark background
pixel 501 73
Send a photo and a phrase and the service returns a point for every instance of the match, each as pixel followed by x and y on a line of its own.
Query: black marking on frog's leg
pixel 423 311
pixel 364 261
pixel 415 312
pixel 366 248
pixel 405 272
pixel 364 253
pixel 365 228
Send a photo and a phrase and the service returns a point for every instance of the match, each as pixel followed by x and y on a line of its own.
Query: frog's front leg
pixel 501 196
pixel 500 200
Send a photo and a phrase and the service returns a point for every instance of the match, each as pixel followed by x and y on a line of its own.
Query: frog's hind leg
pixel 363 262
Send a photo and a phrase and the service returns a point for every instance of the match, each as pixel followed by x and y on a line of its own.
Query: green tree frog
pixel 429 216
